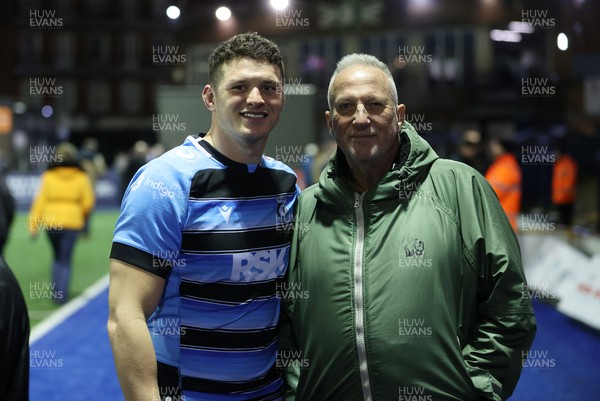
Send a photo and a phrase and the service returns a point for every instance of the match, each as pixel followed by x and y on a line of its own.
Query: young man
pixel 197 250
pixel 409 271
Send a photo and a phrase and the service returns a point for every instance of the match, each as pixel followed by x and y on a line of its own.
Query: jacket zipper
pixel 359 324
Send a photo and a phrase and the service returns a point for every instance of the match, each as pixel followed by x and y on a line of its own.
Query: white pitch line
pixel 61 314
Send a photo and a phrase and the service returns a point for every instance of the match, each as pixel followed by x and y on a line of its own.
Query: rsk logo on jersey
pixel 259 265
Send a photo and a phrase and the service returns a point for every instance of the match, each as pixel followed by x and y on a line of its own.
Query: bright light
pixel 47 111
pixel 280 4
pixel 173 12
pixel 562 41
pixel 520 26
pixel 223 13
pixel 505 36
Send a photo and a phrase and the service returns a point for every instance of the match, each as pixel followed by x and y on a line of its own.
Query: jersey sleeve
pixel 149 229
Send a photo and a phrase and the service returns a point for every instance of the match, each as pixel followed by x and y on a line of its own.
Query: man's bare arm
pixel 133 296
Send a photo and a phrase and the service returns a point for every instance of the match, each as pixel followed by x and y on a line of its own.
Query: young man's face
pixel 364 119
pixel 247 100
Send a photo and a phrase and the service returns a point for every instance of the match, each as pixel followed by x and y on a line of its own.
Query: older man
pixel 409 271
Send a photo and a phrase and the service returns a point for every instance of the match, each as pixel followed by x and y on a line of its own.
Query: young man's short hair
pixel 248 44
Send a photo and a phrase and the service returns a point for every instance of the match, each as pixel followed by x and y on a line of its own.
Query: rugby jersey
pixel 219 232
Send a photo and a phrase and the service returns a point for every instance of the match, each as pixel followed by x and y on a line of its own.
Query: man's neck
pixel 365 176
pixel 245 154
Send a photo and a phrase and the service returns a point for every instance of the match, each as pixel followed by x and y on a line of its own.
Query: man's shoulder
pixel 182 159
pixel 458 170
pixel 271 163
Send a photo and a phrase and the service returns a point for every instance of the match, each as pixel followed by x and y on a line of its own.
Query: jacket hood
pixel 66 170
pixel 413 162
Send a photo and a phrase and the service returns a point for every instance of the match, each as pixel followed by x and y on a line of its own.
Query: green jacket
pixel 413 290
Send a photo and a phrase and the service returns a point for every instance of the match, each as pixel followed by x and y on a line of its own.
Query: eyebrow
pixel 246 80
pixel 368 99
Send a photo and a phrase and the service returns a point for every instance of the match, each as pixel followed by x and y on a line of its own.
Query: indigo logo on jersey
pixel 259 265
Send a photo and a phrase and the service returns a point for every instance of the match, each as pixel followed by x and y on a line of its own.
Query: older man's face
pixel 364 119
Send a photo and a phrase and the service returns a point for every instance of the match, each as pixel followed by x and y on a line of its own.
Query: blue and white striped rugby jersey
pixel 219 232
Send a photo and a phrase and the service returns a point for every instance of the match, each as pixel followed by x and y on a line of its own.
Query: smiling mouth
pixel 254 115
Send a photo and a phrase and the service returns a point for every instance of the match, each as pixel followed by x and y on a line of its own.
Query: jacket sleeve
pixel 505 324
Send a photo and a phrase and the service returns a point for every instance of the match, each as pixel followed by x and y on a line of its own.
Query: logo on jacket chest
pixel 412 255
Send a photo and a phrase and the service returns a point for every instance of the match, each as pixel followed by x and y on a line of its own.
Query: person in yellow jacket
pixel 61 208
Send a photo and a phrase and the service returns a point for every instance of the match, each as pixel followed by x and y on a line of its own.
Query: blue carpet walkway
pixel 74 361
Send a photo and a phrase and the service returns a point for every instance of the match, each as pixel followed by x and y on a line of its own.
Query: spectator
pixel 564 183
pixel 504 175
pixel 61 208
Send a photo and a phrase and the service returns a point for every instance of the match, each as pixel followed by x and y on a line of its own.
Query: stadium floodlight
pixel 498 35
pixel 280 4
pixel 223 13
pixel 173 12
pixel 562 41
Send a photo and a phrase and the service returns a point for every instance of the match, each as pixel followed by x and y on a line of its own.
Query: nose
pixel 254 97
pixel 361 116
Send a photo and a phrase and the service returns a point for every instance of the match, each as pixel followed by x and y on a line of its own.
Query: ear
pixel 400 113
pixel 208 96
pixel 329 121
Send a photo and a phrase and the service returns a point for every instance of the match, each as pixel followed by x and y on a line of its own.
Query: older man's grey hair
pixel 366 60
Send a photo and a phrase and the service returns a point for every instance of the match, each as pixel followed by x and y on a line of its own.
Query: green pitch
pixel 31 261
